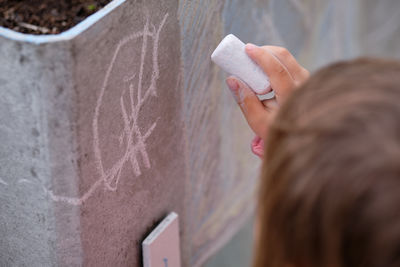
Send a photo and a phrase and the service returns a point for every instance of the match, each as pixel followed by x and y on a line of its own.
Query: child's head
pixel 330 189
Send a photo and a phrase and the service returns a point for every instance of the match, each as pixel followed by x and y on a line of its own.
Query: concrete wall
pixel 110 126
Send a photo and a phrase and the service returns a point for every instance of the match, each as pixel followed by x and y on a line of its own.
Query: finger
pixel 270 104
pixel 286 58
pixel 257 146
pixel 252 108
pixel 281 81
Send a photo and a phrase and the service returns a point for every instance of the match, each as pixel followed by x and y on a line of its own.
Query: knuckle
pixel 283 52
pixel 306 74
pixel 279 69
pixel 297 84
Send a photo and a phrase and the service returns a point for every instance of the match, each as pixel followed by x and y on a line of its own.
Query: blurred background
pixel 317 32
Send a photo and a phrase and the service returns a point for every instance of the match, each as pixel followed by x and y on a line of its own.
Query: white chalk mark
pixel 24 181
pixel 3 182
pixel 129 78
pixel 143 56
pixel 269 24
pixel 388 28
pixel 148 133
pixel 73 200
pixel 135 164
pixel 302 9
pixel 131 135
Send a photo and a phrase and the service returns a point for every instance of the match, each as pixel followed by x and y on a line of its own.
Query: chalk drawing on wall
pixel 132 139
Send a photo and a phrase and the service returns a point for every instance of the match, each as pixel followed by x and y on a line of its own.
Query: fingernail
pixel 257 147
pixel 232 84
pixel 251 47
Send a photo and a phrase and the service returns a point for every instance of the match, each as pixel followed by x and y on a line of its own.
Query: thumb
pixel 252 108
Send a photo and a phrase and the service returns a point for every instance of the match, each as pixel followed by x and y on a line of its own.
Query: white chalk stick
pixel 231 56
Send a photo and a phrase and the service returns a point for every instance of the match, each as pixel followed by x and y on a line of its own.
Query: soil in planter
pixel 46 16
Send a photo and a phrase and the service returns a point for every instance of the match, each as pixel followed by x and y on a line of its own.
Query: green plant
pixel 91 7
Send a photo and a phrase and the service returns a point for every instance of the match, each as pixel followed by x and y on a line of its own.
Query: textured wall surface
pixel 105 133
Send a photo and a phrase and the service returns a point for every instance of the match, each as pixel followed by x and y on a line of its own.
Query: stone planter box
pixel 105 128
pixel 108 127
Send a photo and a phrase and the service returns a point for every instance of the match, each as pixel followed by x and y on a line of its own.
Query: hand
pixel 284 73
